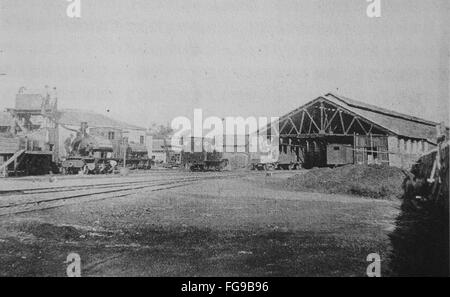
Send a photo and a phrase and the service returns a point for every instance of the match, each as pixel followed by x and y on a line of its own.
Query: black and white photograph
pixel 224 144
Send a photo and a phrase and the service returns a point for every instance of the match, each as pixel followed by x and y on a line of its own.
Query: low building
pixel 69 122
pixel 28 134
pixel 34 134
pixel 6 123
pixel 163 151
pixel 366 134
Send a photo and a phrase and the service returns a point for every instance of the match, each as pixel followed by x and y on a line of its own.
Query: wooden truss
pixel 322 117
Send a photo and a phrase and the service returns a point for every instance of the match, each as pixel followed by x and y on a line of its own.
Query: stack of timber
pixel 421 238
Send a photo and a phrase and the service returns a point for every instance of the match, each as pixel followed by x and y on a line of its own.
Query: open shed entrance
pixel 324 133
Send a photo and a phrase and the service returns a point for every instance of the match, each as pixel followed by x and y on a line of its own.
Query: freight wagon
pixel 339 154
pixel 274 156
pixel 198 155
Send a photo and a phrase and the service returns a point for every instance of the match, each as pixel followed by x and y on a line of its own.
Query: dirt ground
pixel 225 227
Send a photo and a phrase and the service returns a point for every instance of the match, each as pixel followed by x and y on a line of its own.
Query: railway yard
pixel 322 196
pixel 179 223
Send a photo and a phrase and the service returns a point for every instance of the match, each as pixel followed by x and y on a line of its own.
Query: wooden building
pixel 28 135
pixel 335 130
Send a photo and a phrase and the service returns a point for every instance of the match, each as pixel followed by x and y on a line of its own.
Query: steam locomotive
pixel 89 154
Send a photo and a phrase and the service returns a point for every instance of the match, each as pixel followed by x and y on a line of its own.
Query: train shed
pixel 335 130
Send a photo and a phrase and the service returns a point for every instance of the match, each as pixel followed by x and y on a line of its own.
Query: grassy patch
pixel 367 181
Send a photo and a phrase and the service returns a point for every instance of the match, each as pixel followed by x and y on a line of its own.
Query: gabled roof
pixel 398 123
pixel 75 117
pixel 391 121
pixel 370 107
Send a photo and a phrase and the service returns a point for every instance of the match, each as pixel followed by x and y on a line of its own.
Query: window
pixel 111 135
pixel 141 139
pixel 336 148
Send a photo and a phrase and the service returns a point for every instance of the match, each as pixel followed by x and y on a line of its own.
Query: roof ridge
pixel 377 109
pixel 117 123
pixel 81 110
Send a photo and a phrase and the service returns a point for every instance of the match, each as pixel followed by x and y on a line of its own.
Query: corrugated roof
pixel 398 123
pixel 75 117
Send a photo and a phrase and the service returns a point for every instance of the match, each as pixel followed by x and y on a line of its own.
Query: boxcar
pixel 339 154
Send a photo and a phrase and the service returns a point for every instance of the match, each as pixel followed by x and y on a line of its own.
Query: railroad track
pixel 54 189
pixel 30 200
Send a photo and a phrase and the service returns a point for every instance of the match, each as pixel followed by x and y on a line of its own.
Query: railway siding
pixel 15 201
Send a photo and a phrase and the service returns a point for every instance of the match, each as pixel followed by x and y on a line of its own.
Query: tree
pixel 160 131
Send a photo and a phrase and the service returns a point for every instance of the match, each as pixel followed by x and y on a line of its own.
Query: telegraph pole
pixel 124 152
pixel 2 74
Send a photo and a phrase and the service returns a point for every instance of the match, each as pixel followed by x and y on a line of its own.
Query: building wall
pixel 371 149
pixel 135 136
pixel 65 133
pixel 112 134
pixel 394 151
pixel 140 136
pixel 148 144
pixel 404 152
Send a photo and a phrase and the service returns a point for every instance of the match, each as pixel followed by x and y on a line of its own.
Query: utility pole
pixel 124 152
pixel 2 74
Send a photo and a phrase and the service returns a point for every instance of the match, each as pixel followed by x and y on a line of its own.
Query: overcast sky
pixel 152 60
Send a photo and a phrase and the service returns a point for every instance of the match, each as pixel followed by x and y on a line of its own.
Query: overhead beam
pixel 331 120
pixel 312 120
pixel 342 121
pixel 284 125
pixel 350 126
pixel 321 116
pixel 290 132
pixel 361 125
pixel 293 125
pixel 342 108
pixel 301 123
pixel 312 135
pixel 310 126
